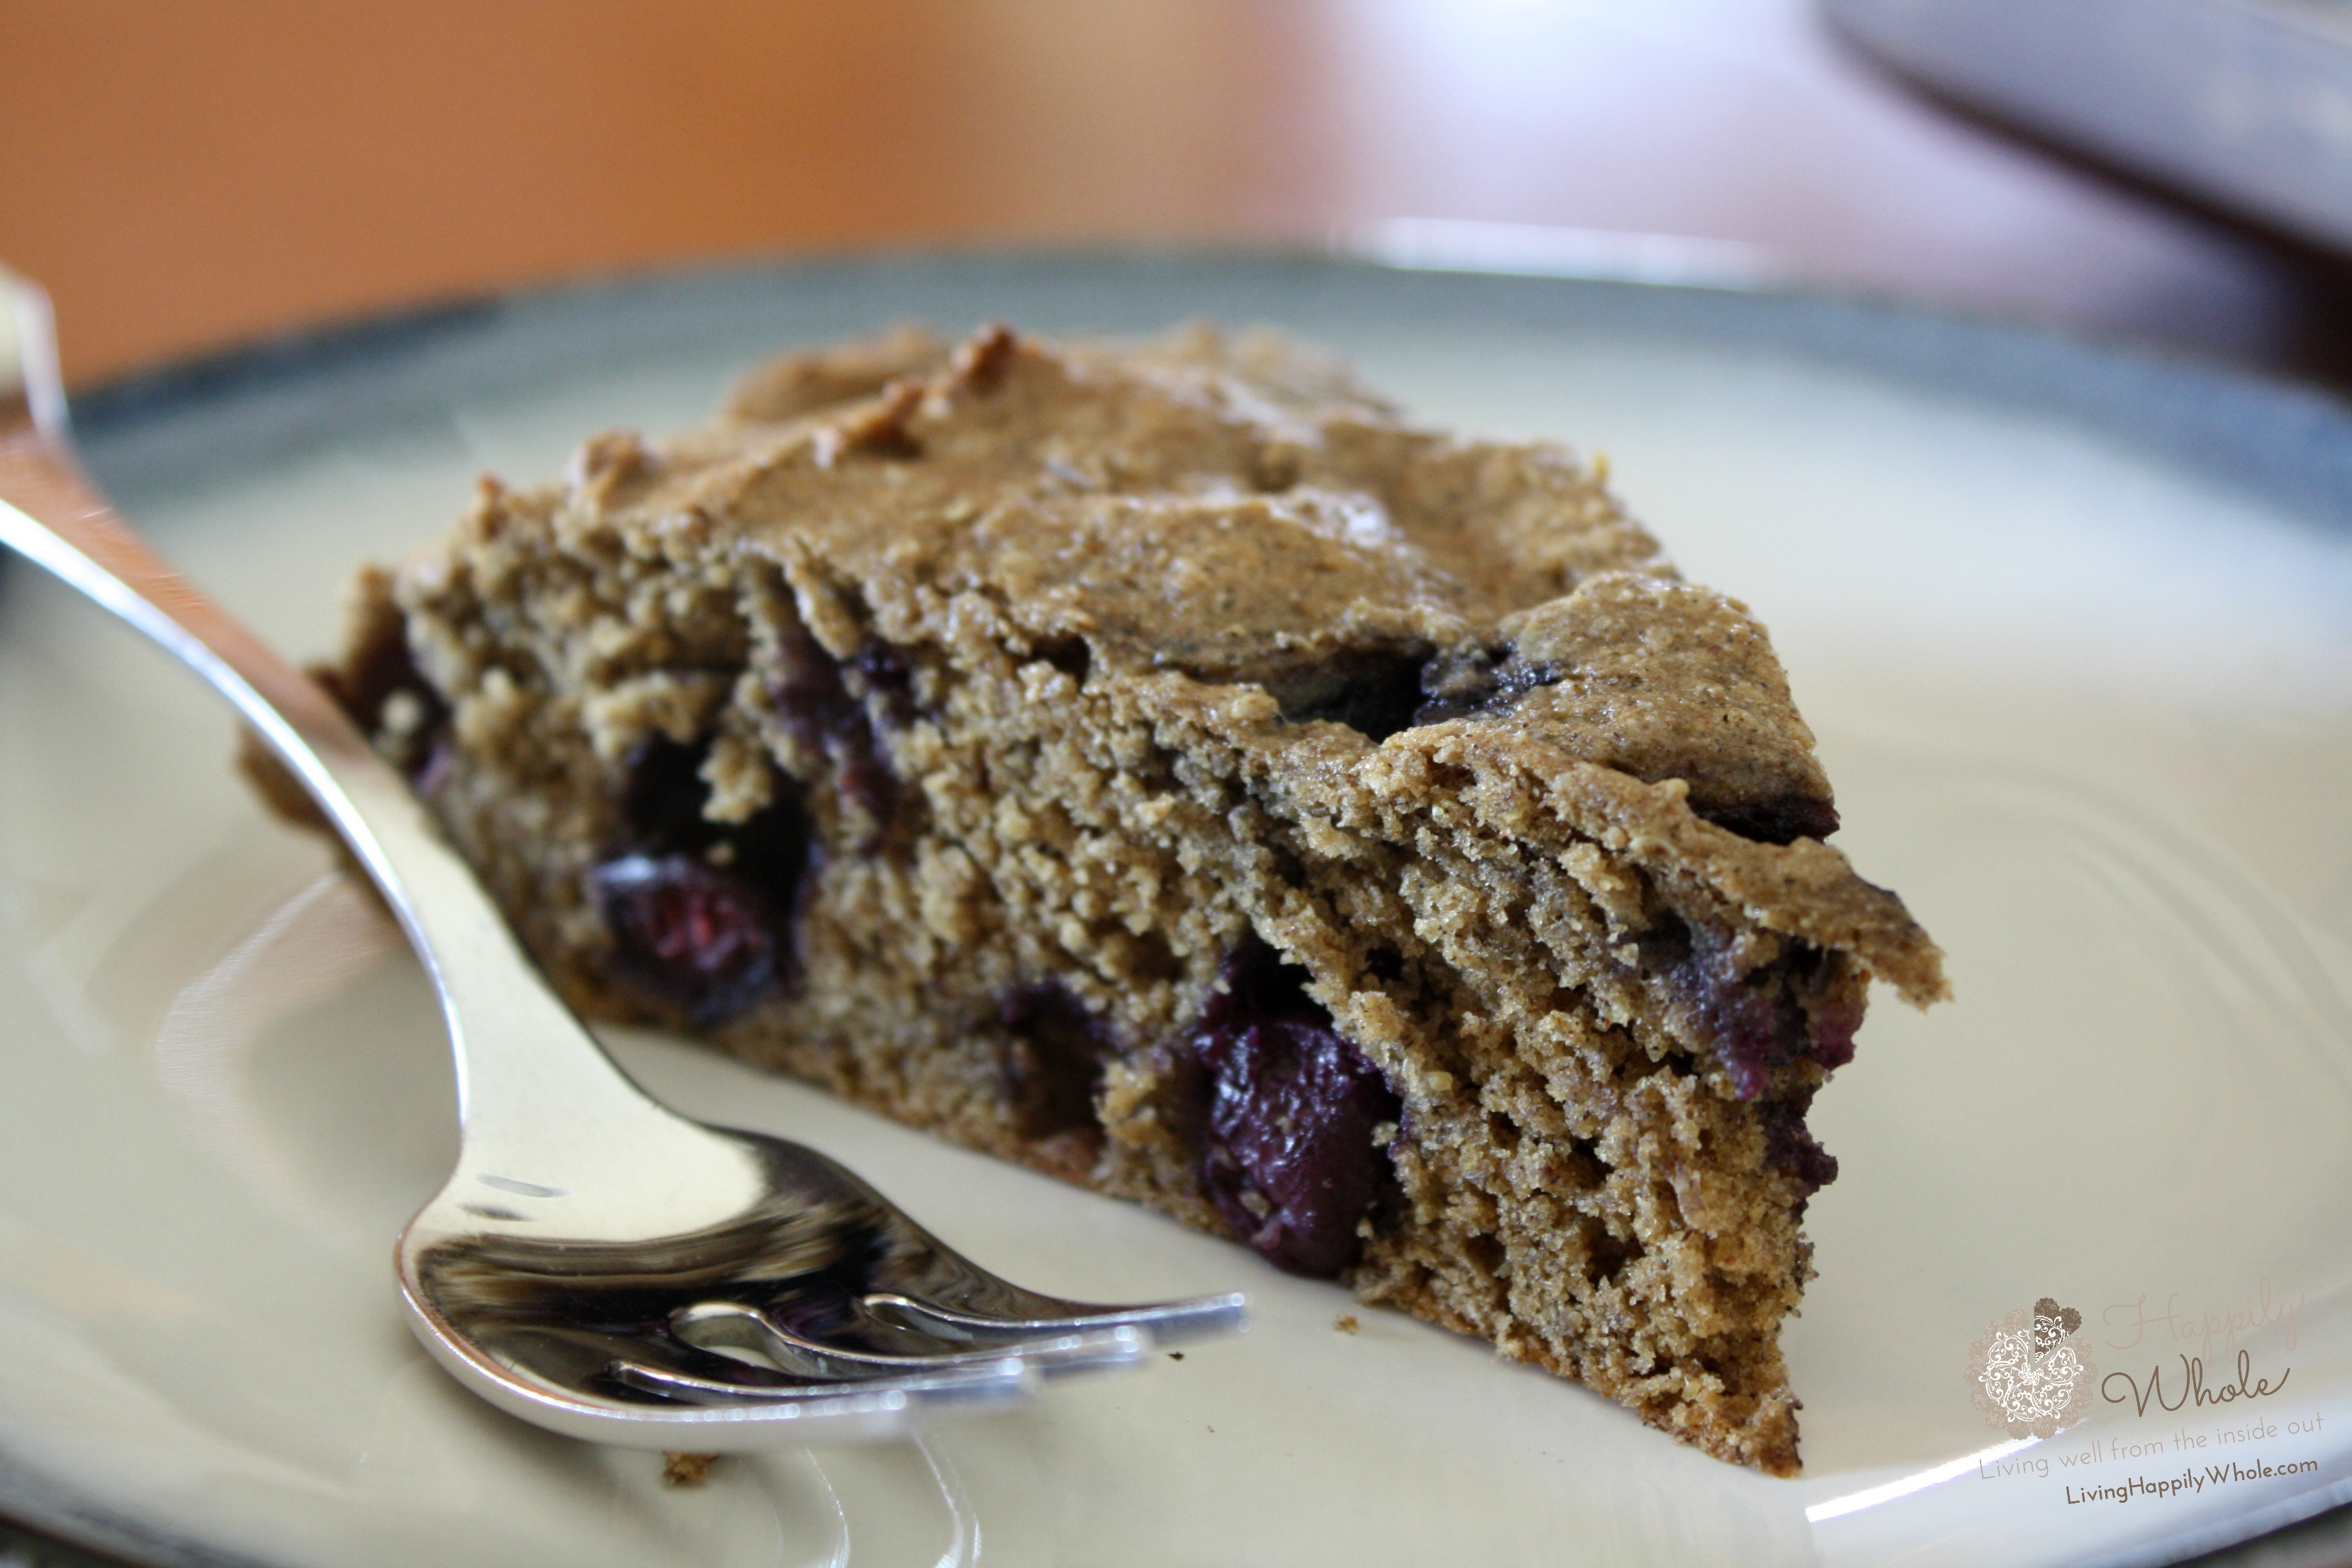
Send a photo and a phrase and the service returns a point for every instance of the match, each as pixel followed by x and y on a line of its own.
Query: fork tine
pixel 712 1325
pixel 1162 1322
pixel 1003 1381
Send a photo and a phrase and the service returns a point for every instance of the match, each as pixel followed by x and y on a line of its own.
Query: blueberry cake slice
pixel 1167 767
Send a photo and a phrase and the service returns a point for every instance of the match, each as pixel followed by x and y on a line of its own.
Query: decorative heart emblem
pixel 2032 1377
pixel 2053 1324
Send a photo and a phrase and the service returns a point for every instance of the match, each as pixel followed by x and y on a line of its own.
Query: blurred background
pixel 186 175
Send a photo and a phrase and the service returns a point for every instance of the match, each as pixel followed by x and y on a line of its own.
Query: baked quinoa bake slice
pixel 1167 768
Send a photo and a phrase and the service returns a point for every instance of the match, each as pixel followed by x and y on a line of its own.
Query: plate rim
pixel 2252 429
pixel 2283 436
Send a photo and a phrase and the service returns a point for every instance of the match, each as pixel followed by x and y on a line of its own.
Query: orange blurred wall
pixel 183 174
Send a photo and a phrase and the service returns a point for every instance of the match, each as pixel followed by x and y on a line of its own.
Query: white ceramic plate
pixel 2075 627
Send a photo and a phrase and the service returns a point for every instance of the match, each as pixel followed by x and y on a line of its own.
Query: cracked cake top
pixel 1239 512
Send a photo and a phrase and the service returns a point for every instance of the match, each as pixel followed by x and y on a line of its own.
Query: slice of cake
pixel 1167 767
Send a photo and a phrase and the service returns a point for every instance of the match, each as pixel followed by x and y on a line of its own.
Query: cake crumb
pixel 1347 1323
pixel 686 1469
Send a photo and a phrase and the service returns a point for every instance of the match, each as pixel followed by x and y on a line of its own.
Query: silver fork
pixel 597 1263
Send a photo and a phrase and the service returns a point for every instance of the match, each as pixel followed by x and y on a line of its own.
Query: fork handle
pixel 542 1060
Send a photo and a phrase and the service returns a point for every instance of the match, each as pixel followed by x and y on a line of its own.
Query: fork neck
pixel 518 1048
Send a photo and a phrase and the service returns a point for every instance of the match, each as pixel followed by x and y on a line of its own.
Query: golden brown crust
pixel 1083 670
pixel 795 385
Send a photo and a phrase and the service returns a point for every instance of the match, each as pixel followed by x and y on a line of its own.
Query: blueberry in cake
pixel 1167 767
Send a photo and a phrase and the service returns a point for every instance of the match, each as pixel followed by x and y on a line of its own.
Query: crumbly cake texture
pixel 1169 768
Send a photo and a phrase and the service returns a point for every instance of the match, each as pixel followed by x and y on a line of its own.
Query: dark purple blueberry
pixel 1760 1021
pixel 1463 681
pixel 1789 1145
pixel 663 803
pixel 386 667
pixel 699 910
pixel 383 666
pixel 826 716
pixel 1373 691
pixel 663 796
pixel 1781 819
pixel 1052 1061
pixel 1287 1154
pixel 1757 1030
pixel 699 938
